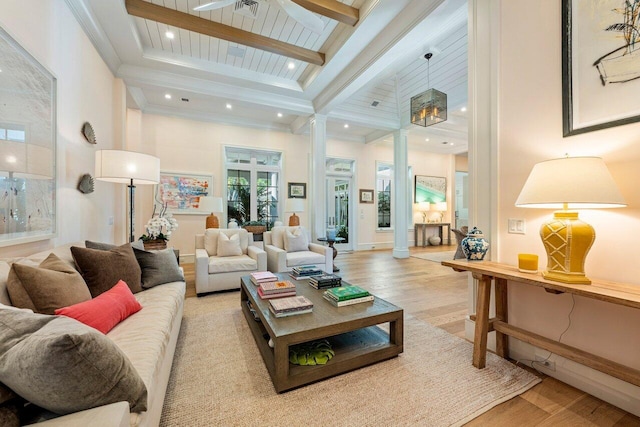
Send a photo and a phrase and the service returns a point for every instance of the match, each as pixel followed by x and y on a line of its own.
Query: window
pixel 12 133
pixel 253 185
pixel 384 187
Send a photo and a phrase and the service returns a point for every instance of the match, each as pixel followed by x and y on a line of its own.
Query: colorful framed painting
pixel 181 192
pixel 600 64
pixel 28 146
pixel 297 190
pixel 432 189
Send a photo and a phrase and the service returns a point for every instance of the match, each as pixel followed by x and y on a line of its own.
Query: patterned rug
pixel 219 379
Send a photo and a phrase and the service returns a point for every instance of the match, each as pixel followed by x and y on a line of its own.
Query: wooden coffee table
pixel 353 332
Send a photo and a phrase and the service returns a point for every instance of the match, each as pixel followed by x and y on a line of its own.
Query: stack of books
pixel 263 277
pixel 283 307
pixel 279 289
pixel 303 272
pixel 326 281
pixel 347 295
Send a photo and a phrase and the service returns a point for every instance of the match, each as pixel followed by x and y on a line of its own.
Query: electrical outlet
pixel 547 364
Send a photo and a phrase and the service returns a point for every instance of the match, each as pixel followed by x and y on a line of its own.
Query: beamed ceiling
pixel 361 69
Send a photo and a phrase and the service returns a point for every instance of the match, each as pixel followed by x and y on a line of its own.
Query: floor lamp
pixel 127 167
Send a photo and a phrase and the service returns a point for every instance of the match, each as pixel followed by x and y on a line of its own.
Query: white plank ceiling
pixel 378 61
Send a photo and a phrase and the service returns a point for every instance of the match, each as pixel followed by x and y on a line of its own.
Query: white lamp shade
pixel 211 204
pixel 424 206
pixel 123 166
pixel 578 182
pixel 440 207
pixel 294 205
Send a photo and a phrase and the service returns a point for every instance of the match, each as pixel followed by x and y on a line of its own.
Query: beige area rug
pixel 219 379
pixel 435 256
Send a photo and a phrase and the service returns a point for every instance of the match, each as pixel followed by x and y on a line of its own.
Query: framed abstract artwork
pixel 181 192
pixel 432 189
pixel 28 146
pixel 600 64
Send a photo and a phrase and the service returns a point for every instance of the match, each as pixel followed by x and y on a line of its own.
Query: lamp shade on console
pixel 566 184
pixel 294 205
pixel 213 205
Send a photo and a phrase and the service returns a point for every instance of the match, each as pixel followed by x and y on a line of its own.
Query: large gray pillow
pixel 108 246
pixel 102 269
pixel 63 365
pixel 158 267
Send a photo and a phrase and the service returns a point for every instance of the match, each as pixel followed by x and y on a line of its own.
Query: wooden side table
pixel 425 225
pixel 331 242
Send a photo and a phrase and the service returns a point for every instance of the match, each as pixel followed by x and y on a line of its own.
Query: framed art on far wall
pixel 600 65
pixel 297 190
pixel 366 196
pixel 432 189
pixel 182 191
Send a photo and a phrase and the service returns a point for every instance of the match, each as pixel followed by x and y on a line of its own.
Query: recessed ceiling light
pixel 426 139
pixel 451 143
pixel 229 107
pixel 167 95
pixel 279 114
pixel 291 65
pixel 346 125
pixel 463 109
pixel 170 35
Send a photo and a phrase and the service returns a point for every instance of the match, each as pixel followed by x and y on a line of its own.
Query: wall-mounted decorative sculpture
pixel 85 185
pixel 88 133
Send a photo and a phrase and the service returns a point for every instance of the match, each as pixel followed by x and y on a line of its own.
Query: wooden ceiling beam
pixel 146 10
pixel 332 9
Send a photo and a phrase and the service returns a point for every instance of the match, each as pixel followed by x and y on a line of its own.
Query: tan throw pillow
pixel 103 269
pixel 43 289
pixel 211 241
pixel 229 246
pixel 296 241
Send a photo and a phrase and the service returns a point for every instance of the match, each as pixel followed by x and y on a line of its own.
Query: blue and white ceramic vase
pixel 475 246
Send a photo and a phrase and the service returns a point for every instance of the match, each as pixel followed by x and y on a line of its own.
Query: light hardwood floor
pixel 438 295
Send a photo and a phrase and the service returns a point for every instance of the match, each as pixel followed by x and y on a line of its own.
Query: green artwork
pixel 432 189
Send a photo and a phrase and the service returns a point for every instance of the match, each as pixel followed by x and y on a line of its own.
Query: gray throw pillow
pixel 102 269
pixel 108 246
pixel 158 267
pixel 65 366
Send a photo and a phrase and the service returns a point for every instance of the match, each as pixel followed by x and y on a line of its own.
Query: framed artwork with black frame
pixel 366 196
pixel 297 190
pixel 600 65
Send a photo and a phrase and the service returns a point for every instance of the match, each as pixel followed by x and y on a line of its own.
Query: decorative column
pixel 400 170
pixel 317 200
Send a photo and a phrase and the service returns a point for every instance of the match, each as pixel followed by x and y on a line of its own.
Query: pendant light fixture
pixel 430 106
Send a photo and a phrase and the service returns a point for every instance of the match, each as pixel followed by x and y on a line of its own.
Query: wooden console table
pixel 486 272
pixel 425 225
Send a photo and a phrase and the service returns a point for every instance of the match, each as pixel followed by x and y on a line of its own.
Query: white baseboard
pixel 187 259
pixel 610 389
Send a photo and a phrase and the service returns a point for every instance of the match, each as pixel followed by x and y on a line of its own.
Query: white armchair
pixel 221 261
pixel 285 252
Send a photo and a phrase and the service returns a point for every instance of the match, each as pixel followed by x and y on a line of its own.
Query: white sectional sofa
pixel 148 338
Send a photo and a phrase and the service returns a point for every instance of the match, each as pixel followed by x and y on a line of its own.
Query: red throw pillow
pixel 106 310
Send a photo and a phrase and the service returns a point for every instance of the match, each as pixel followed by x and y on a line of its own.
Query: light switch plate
pixel 516 226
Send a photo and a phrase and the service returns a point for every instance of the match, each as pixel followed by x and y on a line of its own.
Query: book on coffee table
pixel 346 302
pixel 290 293
pixel 343 293
pixel 276 287
pixel 258 277
pixel 290 305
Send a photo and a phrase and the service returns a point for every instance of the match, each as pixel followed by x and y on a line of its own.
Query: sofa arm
pixel 202 267
pixel 113 415
pixel 325 251
pixel 276 258
pixel 259 255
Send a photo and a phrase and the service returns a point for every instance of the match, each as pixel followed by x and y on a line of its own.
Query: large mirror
pixel 27 146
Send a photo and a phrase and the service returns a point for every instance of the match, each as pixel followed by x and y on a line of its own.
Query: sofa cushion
pixel 139 244
pixel 158 267
pixel 296 240
pixel 228 246
pixel 103 269
pixel 232 263
pixel 51 285
pixel 277 236
pixel 304 257
pixel 106 310
pixel 211 239
pixel 64 366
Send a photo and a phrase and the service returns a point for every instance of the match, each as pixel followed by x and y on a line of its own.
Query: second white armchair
pixel 289 247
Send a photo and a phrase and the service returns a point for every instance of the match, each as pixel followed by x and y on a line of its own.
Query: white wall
pixel 87 91
pixel 530 130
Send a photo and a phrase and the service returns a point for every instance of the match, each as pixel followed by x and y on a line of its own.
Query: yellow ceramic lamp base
pixel 567 241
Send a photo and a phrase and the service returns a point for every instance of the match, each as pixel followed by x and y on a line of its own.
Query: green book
pixel 344 293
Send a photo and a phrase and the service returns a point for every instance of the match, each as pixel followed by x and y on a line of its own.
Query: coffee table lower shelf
pixel 354 349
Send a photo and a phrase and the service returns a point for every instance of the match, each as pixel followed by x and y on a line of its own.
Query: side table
pixel 330 242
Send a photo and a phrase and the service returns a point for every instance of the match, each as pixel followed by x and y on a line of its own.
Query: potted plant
pixel 255 227
pixel 159 230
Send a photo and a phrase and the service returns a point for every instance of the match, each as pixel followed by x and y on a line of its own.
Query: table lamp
pixel 569 183
pixel 213 205
pixel 127 167
pixel 424 207
pixel 294 205
pixel 441 208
